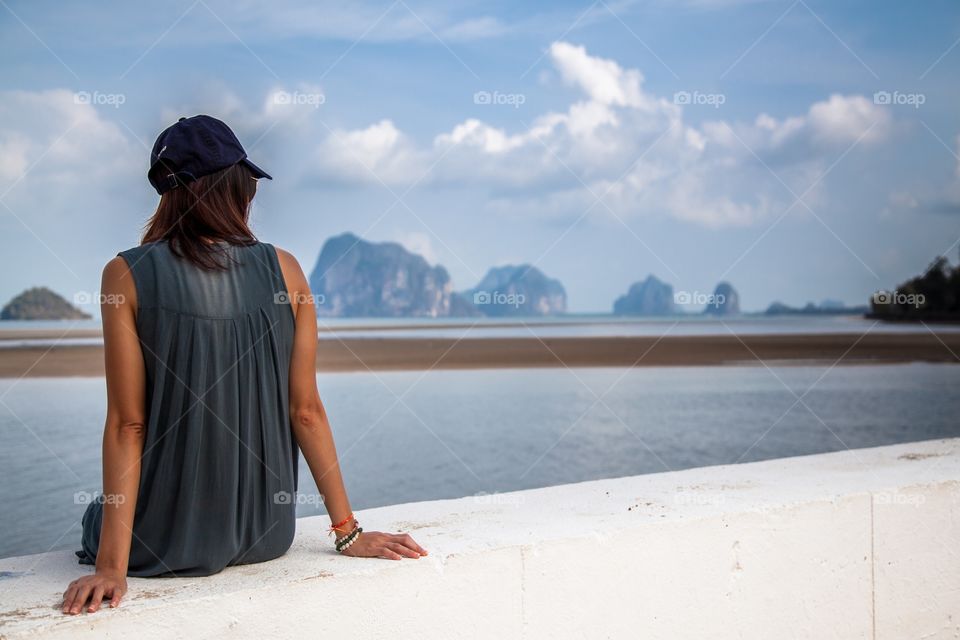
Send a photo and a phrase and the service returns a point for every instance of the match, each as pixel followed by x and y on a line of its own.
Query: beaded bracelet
pixel 344 543
pixel 338 541
pixel 349 542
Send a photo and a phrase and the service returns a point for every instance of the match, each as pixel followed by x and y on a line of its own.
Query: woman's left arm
pixel 123 438
pixel 312 429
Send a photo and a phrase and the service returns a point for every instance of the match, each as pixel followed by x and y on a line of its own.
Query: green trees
pixel 933 295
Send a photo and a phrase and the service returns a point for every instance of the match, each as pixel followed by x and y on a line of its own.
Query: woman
pixel 210 342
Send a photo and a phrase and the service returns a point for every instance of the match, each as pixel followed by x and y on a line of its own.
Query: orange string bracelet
pixel 335 527
pixel 356 523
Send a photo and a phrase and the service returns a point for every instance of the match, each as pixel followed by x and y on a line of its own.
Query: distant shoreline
pixel 395 354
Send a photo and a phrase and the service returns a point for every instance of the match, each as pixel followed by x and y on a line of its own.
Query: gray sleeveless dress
pixel 219 466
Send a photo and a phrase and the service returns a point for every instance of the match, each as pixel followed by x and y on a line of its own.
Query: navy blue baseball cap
pixel 192 148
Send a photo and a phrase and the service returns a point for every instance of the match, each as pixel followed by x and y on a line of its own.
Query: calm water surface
pixel 410 436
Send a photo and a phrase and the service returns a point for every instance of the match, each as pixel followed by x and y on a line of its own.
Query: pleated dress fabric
pixel 219 467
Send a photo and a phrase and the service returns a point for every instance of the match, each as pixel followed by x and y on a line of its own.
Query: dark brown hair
pixel 196 216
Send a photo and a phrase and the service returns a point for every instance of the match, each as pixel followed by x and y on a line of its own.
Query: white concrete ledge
pixel 858 544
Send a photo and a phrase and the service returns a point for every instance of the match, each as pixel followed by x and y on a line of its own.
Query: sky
pixel 801 150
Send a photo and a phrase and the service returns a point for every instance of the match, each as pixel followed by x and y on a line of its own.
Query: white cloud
pixel 378 153
pixel 283 108
pixel 716 174
pixel 350 20
pixel 14 150
pixel 952 195
pixel 604 81
pixel 957 155
pixel 845 119
pixel 615 140
pixel 830 125
pixel 57 137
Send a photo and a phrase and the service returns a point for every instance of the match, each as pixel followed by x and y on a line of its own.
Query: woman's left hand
pixel 393 546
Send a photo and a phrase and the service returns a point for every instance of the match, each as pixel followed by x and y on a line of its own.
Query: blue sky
pixel 696 140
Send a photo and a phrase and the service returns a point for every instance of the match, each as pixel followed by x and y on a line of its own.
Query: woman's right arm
pixel 123 437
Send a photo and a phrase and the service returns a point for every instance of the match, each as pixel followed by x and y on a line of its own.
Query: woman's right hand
pixel 393 546
pixel 95 588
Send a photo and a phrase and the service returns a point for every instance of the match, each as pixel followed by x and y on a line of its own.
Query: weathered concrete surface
pixel 858 544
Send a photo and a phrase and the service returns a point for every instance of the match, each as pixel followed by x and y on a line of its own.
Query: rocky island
pixel 357 278
pixel 520 290
pixel 651 297
pixel 40 303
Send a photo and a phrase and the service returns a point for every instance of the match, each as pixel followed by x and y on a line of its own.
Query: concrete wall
pixel 858 544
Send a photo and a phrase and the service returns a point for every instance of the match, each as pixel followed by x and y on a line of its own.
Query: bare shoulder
pixel 286 258
pixel 292 270
pixel 116 274
pixel 117 286
pixel 116 266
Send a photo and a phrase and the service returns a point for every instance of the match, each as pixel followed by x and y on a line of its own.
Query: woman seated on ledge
pixel 210 342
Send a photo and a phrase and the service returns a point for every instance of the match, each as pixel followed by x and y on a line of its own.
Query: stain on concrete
pixel 919 456
pixel 645 504
pixel 152 595
pixel 39 612
pixel 413 526
pixel 317 576
pixel 7 575
pixel 716 487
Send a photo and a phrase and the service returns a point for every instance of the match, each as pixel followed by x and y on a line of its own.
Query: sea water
pixel 409 436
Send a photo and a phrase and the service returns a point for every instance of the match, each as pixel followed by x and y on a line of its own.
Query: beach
pixel 27 355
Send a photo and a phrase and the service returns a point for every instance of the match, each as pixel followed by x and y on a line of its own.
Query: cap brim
pixel 257 171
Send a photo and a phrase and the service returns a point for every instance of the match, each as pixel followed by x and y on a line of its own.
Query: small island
pixel 825 308
pixel 40 303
